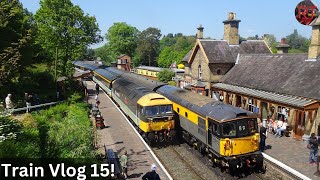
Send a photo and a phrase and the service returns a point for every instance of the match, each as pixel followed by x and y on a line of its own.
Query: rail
pixel 286 168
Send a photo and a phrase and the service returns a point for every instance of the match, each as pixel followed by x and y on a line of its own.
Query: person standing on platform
pixel 97 100
pixel 313 146
pixel 263 137
pixel 123 161
pixel 97 88
pixel 152 175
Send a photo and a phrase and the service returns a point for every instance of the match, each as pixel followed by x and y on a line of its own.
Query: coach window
pixel 186 114
pixel 215 129
pixel 178 110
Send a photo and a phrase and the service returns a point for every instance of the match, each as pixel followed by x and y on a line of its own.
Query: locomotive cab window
pixel 158 110
pixel 229 129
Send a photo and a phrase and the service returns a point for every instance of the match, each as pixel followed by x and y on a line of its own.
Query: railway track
pixel 176 164
pixel 183 162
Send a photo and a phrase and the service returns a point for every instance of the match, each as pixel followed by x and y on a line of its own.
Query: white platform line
pixel 147 146
pixel 294 172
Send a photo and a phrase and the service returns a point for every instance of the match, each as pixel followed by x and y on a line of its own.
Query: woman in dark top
pixel 313 146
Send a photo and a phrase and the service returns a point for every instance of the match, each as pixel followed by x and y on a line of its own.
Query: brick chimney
pixel 283 47
pixel 314 48
pixel 231 29
pixel 200 32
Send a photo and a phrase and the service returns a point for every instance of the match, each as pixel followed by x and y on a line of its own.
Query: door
pixel 238 101
pixel 264 110
pixel 299 124
pixel 210 127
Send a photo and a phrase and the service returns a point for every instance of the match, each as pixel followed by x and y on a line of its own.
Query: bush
pixel 172 83
pixel 165 75
pixel 63 131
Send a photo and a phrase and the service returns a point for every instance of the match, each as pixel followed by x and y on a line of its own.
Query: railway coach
pixel 150 112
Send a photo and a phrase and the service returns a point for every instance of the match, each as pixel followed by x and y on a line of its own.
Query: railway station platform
pixel 120 135
pixel 292 153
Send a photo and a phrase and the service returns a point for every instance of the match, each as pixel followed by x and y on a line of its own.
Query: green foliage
pixel 75 98
pixel 17 29
pixel 296 41
pixel 295 51
pixel 63 131
pixel 25 140
pixel 148 46
pixel 172 83
pixel 174 49
pixel 165 75
pixel 64 26
pixel 36 80
pixel 122 39
pixel 8 129
pixel 72 136
pixel 104 53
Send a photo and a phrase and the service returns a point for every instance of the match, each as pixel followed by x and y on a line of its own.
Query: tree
pixel 148 46
pixel 122 39
pixel 167 41
pixel 165 75
pixel 296 41
pixel 175 52
pixel 104 53
pixel 64 27
pixel 17 29
pixel 167 57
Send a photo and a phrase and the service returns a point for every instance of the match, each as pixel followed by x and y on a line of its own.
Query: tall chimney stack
pixel 231 29
pixel 314 48
pixel 200 32
pixel 283 47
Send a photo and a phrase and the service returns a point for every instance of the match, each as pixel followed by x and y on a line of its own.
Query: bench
pixel 112 158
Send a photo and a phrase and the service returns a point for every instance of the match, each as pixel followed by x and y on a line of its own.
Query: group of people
pixel 313 144
pixel 277 127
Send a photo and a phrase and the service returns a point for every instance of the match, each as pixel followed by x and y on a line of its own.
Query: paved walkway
pixel 119 136
pixel 291 152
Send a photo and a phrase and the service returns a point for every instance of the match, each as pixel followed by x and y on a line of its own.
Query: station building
pixel 246 74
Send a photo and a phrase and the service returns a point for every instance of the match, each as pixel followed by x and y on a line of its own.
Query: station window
pixel 186 114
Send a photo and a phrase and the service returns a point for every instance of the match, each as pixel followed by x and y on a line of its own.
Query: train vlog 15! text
pixel 57 171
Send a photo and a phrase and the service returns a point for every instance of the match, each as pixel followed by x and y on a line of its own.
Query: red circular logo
pixel 307 13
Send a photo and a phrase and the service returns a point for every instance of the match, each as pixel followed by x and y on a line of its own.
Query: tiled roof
pixel 287 74
pixel 271 96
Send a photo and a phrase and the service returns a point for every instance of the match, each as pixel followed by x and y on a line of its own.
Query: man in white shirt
pixel 8 102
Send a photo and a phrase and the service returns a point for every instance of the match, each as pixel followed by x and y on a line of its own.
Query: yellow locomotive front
pixel 239 145
pixel 156 117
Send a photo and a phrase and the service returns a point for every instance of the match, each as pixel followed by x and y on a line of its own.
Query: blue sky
pixel 174 16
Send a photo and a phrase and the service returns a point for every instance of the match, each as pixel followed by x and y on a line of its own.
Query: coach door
pixel 299 124
pixel 210 129
pixel 213 133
